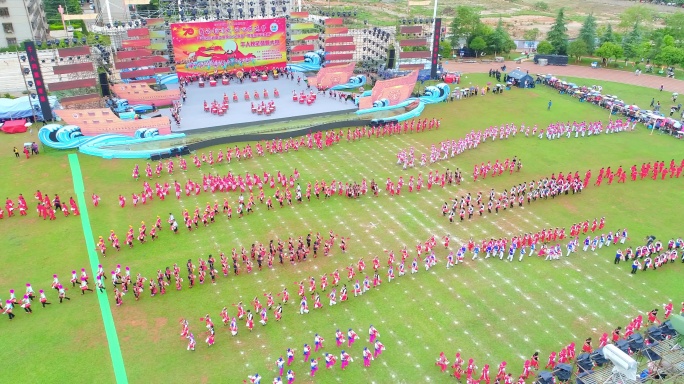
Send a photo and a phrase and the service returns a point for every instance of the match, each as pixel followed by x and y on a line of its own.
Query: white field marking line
pixel 547 224
pixel 255 272
pixel 565 307
pixel 515 289
pixel 405 230
pixel 568 264
pixel 332 165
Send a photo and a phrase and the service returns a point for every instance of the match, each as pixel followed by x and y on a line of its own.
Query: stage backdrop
pixel 229 46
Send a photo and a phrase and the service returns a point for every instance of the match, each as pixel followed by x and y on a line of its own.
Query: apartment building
pixel 22 20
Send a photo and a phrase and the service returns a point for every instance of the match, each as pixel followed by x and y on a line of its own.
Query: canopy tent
pixel 14 126
pixel 23 107
pixel 522 79
pixel 451 78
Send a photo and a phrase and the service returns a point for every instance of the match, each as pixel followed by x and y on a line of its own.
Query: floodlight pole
pixel 434 20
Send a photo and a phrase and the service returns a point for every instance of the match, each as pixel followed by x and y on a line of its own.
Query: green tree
pixel 674 25
pixel 72 7
pixel 542 6
pixel 609 50
pixel 668 41
pixel 465 23
pixel 558 35
pixel 608 36
pixel 644 50
pixel 499 40
pixel 588 33
pixel 531 35
pixel 577 49
pixel 670 55
pixel 445 49
pixel 637 14
pixel 630 43
pixel 478 44
pixel 544 48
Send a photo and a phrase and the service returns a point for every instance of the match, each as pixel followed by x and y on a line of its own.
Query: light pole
pixel 434 20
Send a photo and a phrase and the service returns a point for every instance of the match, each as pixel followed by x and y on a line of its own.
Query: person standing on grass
pixel 16 152
pixel 548 108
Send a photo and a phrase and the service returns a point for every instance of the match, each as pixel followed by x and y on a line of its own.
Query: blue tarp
pixel 21 108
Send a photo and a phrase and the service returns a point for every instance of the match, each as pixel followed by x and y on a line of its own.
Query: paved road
pixel 671 85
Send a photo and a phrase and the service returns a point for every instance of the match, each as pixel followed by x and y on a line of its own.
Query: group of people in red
pixel 46 207
pixel 496 169
pixel 565 356
pixel 655 170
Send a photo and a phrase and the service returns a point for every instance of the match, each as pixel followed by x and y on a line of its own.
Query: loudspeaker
pixel 165 155
pixel 155 157
pixel 185 151
pixel 104 85
pixel 392 56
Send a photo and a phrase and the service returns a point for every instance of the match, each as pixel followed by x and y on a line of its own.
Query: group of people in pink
pixel 80 279
pixel 449 148
pixel 221 107
pixel 46 207
pixel 581 129
pixel 330 359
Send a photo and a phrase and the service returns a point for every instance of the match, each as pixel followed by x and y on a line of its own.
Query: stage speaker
pixel 392 58
pixel 175 151
pixel 104 85
pixel 185 151
pixel 155 157
pixel 165 155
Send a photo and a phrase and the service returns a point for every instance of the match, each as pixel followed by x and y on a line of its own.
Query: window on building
pixel 7 27
pixel 4 12
pixel 11 41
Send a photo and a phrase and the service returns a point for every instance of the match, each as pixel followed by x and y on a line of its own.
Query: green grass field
pixel 488 310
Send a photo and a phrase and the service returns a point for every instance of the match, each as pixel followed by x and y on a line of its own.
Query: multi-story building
pixel 22 20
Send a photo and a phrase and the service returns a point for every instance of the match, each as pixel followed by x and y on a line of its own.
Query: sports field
pixel 490 310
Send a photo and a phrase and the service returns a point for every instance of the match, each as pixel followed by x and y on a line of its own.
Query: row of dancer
pixel 496 169
pixel 46 207
pixel 215 183
pixel 207 270
pixel 330 359
pixel 449 148
pixel 81 280
pixel 581 129
pixel 541 189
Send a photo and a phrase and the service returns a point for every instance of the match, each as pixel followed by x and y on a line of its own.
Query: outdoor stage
pixel 195 119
